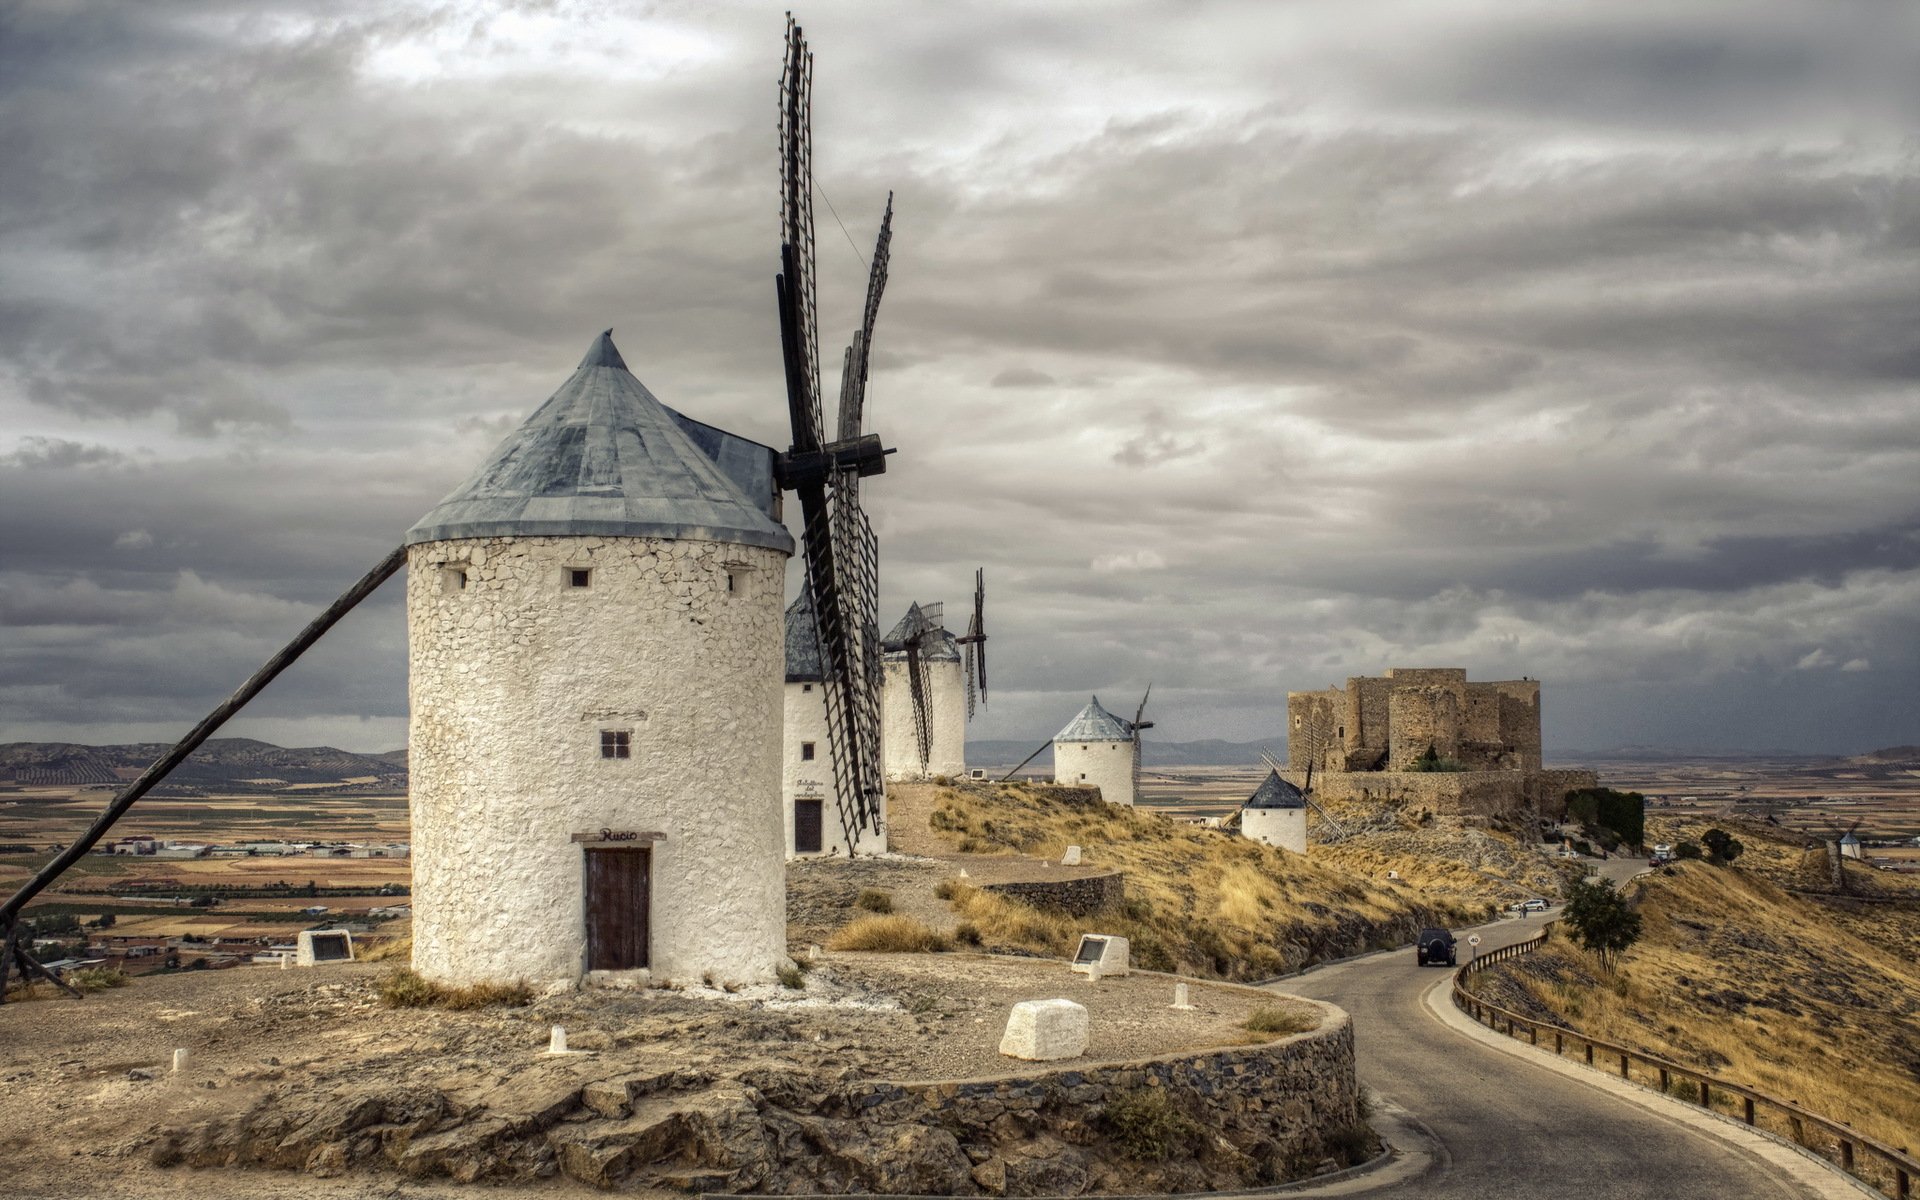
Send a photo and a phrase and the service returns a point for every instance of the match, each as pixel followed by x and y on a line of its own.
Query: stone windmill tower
pixel 595 651
pixel 1098 749
pixel 1276 814
pixel 814 824
pixel 923 698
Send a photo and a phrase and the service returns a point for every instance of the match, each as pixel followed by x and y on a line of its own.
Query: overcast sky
pixel 1248 346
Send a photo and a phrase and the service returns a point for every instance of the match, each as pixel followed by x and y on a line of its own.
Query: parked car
pixel 1436 947
pixel 1534 905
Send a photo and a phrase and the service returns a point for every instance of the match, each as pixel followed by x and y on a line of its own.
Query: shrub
pixel 967 933
pixel 1350 1145
pixel 408 989
pixel 790 976
pixel 1722 847
pixel 946 889
pixel 1687 850
pixel 1148 1127
pixel 1269 1018
pixel 96 979
pixel 889 934
pixel 874 900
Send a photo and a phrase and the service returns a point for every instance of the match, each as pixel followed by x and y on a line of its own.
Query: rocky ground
pixel 307 1071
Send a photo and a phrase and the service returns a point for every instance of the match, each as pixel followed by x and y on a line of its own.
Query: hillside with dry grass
pixel 1199 901
pixel 1804 996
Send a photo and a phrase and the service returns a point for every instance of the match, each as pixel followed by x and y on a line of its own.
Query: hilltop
pixel 221 763
pixel 1759 973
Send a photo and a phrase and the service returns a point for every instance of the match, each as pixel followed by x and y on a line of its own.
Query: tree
pixel 1722 847
pixel 1687 850
pixel 1600 919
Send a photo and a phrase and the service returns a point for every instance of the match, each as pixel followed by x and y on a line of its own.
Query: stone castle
pixel 1428 735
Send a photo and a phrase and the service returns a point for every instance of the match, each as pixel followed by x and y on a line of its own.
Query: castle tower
pixel 1096 750
pixel 946 699
pixel 1276 815
pixel 814 823
pixel 594 652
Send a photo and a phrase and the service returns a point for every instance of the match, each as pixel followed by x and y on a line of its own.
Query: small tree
pixel 1722 847
pixel 1599 919
pixel 1686 850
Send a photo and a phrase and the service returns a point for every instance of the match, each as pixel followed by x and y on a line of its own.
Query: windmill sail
pixel 837 539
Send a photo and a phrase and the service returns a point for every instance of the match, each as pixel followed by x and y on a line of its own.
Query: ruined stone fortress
pixel 1428 736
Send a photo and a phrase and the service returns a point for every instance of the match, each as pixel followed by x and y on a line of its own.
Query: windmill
pixel 919 638
pixel 1306 793
pixel 837 539
pixel 1837 842
pixel 974 644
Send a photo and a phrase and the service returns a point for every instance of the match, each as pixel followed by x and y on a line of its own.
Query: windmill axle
pixel 864 455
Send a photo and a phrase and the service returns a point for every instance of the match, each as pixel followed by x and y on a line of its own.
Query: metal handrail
pixel 1849 1143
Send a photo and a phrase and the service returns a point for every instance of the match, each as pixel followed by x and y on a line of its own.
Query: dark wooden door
pixel 619 896
pixel 806 826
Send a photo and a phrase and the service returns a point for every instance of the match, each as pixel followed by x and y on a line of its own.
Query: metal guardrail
pixel 1890 1171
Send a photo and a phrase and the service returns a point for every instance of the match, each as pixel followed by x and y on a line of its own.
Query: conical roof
pixel 939 648
pixel 803 643
pixel 603 457
pixel 1095 724
pixel 1276 793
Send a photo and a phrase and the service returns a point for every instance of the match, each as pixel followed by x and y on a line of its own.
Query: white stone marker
pixel 179 1061
pixel 557 1040
pixel 1180 1001
pixel 1045 1030
pixel 1071 858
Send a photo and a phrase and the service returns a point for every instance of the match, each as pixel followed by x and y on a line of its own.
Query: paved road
pixel 1506 1127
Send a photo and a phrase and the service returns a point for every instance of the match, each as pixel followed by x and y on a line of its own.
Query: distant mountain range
pixel 1211 752
pixel 220 763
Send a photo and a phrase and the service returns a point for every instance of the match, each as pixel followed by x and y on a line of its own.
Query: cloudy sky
pixel 1248 346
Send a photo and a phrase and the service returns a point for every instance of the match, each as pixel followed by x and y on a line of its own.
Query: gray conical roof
pixel 803 641
pixel 1276 793
pixel 940 647
pixel 1095 724
pixel 603 457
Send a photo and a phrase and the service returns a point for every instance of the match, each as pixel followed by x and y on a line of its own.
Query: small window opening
pixel 616 743
pixel 453 579
pixel 731 586
pixel 806 687
pixel 1296 722
pixel 579 577
pixel 806 751
pixel 1343 731
pixel 1083 777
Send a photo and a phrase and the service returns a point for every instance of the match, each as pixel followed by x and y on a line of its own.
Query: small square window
pixel 579 577
pixel 616 743
pixel 806 687
pixel 453 579
pixel 806 751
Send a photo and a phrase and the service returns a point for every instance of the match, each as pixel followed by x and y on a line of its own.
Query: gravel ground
pixel 74 1111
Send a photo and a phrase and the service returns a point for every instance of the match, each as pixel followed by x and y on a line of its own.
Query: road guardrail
pixel 1890 1170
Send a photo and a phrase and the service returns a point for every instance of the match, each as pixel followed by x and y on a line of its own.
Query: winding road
pixel 1501 1125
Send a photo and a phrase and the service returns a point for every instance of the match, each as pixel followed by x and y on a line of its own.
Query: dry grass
pixel 1742 979
pixel 1199 901
pixel 405 989
pixel 400 947
pixel 896 935
pixel 1276 1021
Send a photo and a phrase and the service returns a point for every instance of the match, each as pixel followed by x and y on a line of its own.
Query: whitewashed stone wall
pixel 1105 765
pixel 1282 827
pixel 899 738
pixel 513 677
pixel 806 721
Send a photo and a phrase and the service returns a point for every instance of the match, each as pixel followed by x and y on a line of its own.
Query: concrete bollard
pixel 179 1061
pixel 557 1040
pixel 1180 1001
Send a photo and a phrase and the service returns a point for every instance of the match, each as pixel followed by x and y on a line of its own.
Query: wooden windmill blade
pixel 1135 728
pixel 853 386
pixel 974 644
pixel 836 538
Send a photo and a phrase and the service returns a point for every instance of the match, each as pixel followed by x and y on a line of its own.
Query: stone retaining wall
pixel 1075 897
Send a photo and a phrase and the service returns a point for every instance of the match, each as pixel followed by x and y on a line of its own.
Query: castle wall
pixel 1104 765
pixel 801 778
pixel 947 709
pixel 1316 729
pixel 1520 720
pixel 1456 793
pixel 1422 718
pixel 1282 827
pixel 512 679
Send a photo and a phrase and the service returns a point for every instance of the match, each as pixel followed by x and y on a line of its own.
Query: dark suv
pixel 1435 947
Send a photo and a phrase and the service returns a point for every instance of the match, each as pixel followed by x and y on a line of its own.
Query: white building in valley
pixel 1096 750
pixel 909 752
pixel 1276 815
pixel 815 824
pixel 594 652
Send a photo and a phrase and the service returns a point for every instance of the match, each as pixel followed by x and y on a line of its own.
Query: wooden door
pixel 619 908
pixel 806 826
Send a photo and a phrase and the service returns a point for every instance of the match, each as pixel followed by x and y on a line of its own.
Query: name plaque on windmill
pixel 617 837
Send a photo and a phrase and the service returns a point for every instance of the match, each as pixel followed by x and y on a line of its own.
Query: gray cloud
pixel 1566 340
